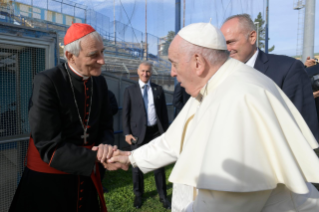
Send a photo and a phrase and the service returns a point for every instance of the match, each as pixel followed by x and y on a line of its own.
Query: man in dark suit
pixel 313 70
pixel 180 98
pixel 288 73
pixel 145 118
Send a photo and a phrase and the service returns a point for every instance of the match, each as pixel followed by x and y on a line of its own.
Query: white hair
pixel 146 63
pixel 75 47
pixel 212 56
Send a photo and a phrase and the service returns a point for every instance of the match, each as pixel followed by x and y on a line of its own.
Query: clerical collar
pixel 141 83
pixel 251 62
pixel 77 73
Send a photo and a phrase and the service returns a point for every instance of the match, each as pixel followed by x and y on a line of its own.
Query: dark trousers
pixel 38 192
pixel 159 174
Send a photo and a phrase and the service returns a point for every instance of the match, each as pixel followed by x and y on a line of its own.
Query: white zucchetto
pixel 204 35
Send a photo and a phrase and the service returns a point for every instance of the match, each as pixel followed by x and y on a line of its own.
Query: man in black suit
pixel 288 73
pixel 313 70
pixel 180 98
pixel 145 118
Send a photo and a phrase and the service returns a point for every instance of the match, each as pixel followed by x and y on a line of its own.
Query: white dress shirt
pixel 251 62
pixel 151 112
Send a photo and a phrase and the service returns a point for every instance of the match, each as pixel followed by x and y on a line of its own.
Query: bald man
pixel 288 73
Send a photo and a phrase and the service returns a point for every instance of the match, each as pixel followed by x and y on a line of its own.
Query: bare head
pixel 144 71
pixel 240 34
pixel 194 65
pixel 86 54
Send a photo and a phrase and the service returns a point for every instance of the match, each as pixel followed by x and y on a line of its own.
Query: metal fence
pixel 18 65
pixel 58 15
pixel 57 11
pixel 23 53
pixel 99 22
pixel 12 154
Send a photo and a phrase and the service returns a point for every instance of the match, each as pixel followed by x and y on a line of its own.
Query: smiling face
pixel 91 58
pixel 240 42
pixel 144 72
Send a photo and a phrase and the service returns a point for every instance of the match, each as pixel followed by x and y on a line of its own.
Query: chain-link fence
pixel 18 65
pixel 12 154
pixel 59 12
pixel 99 22
pixel 120 40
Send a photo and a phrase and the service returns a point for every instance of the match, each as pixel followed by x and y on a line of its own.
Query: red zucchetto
pixel 77 31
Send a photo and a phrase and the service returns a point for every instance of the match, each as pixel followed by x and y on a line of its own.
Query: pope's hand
pixel 115 166
pixel 120 157
pixel 105 152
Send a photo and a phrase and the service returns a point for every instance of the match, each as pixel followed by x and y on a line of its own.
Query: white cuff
pixel 131 158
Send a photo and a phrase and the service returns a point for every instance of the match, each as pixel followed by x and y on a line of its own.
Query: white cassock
pixel 247 148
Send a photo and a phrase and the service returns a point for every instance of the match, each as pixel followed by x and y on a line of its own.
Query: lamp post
pixel 257 24
pixel 267 20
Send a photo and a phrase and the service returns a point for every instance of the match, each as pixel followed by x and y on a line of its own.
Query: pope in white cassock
pixel 239 143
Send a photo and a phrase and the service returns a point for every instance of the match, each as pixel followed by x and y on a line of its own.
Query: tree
pixel 170 36
pixel 262 33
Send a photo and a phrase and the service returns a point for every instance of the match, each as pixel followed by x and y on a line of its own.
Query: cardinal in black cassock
pixel 71 123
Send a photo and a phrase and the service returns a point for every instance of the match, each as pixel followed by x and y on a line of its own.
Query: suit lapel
pixel 154 90
pixel 155 94
pixel 261 63
pixel 139 95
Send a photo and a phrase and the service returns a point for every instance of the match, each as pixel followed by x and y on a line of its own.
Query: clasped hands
pixel 111 157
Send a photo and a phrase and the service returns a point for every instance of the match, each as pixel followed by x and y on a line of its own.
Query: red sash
pixel 35 163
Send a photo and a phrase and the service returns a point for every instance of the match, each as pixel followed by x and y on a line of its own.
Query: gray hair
pixel 146 63
pixel 75 47
pixel 245 22
pixel 212 56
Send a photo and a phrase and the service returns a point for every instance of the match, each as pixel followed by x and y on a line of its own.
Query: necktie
pixel 145 98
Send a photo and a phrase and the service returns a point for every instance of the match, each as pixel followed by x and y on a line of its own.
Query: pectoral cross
pixel 85 136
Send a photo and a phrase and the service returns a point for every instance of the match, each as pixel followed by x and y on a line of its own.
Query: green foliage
pixel 262 33
pixel 170 37
pixel 120 197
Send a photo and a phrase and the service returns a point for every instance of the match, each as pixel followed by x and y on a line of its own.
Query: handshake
pixel 111 157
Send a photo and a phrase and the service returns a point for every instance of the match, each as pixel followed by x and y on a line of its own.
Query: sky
pixel 283 19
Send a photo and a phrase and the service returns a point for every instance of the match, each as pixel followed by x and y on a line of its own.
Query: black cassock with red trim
pixel 56 131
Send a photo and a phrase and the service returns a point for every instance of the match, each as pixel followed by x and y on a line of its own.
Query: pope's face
pixel 144 72
pixel 240 43
pixel 182 66
pixel 91 58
